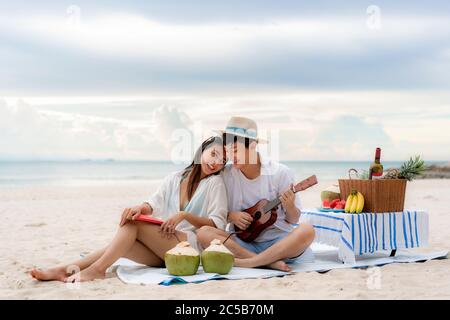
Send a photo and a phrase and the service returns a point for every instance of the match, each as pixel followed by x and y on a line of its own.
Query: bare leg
pixel 141 254
pixel 123 241
pixel 206 234
pixel 138 253
pixel 292 245
pixel 60 273
pixel 152 238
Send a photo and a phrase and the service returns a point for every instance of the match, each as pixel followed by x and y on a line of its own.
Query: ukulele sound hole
pixel 257 215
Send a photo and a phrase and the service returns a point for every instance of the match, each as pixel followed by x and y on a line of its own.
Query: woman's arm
pixel 132 213
pixel 157 201
pixel 197 221
pixel 169 225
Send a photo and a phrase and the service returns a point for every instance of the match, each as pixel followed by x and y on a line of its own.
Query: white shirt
pixel 208 201
pixel 244 193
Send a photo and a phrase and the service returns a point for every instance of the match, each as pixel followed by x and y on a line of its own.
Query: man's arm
pixel 293 215
pixel 240 219
pixel 288 201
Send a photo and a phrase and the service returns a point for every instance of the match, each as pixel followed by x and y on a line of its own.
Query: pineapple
pixel 409 170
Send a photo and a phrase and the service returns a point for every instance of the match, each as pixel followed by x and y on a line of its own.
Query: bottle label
pixel 376 176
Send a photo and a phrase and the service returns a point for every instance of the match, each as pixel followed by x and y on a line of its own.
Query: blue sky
pixel 109 79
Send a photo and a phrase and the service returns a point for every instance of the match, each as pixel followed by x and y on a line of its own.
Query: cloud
pixel 310 125
pixel 130 35
pixel 169 119
pixel 30 134
pixel 129 53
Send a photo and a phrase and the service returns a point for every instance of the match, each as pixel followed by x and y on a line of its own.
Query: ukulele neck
pixel 272 204
pixel 305 184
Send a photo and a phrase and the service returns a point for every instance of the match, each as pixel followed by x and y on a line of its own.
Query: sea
pixel 81 173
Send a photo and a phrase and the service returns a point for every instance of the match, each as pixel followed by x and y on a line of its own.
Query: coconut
pixel 217 258
pixel 182 260
pixel 331 193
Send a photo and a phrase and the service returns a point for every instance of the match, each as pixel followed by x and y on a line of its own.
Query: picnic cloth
pixel 358 234
pixel 324 260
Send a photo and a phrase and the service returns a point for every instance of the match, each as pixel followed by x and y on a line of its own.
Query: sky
pixel 131 80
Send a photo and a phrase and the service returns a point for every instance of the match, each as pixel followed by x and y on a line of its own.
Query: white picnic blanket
pixel 147 275
pixel 325 259
pixel 357 234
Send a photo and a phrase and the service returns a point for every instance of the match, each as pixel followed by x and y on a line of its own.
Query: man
pixel 249 179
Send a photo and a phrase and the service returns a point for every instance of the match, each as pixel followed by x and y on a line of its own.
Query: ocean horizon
pixel 94 172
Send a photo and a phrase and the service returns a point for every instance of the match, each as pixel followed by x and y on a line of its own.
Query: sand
pixel 46 226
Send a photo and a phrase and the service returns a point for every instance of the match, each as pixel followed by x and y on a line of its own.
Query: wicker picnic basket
pixel 380 195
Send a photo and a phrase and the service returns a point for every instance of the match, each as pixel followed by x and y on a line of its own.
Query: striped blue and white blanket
pixel 358 234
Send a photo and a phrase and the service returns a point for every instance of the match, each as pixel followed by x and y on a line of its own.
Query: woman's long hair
pixel 195 168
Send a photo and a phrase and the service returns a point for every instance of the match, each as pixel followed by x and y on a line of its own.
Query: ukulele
pixel 264 215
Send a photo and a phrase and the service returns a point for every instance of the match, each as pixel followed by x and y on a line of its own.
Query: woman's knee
pixel 130 225
pixel 205 229
pixel 204 234
pixel 139 227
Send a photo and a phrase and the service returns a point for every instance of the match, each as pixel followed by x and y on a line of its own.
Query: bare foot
pixel 249 263
pixel 279 265
pixel 58 274
pixel 87 274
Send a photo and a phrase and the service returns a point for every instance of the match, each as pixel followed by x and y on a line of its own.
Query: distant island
pixel 437 171
pixel 96 160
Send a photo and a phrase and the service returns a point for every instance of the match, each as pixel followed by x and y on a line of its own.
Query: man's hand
pixel 240 219
pixel 134 212
pixel 287 199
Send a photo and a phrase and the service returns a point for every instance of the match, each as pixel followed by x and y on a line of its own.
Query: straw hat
pixel 242 127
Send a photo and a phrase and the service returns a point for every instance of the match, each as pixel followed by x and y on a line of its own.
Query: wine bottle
pixel 376 168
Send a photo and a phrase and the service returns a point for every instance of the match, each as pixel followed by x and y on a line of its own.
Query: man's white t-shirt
pixel 244 193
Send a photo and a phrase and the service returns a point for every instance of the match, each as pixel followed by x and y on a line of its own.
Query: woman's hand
pixel 240 219
pixel 134 212
pixel 168 227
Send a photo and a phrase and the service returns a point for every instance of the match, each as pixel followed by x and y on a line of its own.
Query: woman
pixel 186 201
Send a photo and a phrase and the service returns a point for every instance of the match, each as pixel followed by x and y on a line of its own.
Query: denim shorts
pixel 258 247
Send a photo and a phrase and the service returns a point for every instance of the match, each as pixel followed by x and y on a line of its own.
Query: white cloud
pixel 315 125
pixel 30 134
pixel 129 35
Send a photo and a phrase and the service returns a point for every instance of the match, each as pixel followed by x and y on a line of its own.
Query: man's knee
pixel 306 233
pixel 310 233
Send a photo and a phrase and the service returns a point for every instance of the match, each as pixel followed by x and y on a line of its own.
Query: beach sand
pixel 46 226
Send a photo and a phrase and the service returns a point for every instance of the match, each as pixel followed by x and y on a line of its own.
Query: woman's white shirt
pixel 208 201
